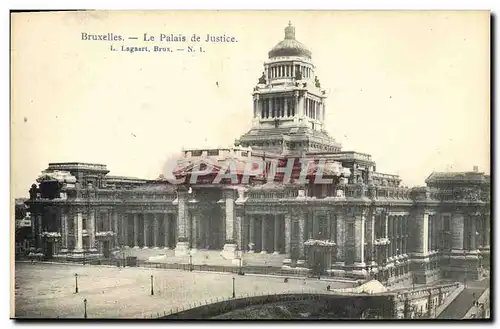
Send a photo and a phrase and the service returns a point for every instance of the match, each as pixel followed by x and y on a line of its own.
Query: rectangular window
pixel 212 153
pixel 350 230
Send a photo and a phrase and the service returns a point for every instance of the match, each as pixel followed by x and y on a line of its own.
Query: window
pixel 350 230
pixel 213 152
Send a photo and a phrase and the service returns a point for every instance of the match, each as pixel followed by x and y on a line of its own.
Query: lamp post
pixel 76 283
pixel 190 262
pixel 234 293
pixel 85 308
pixel 152 290
pixel 466 266
pixel 240 271
pixel 122 253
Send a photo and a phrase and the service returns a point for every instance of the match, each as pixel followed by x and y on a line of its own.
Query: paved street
pixel 48 290
pixel 460 305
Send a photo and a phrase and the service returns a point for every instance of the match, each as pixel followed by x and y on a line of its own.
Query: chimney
pixel 475 168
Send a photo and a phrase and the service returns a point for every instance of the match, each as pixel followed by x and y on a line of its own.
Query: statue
pixel 298 74
pixel 33 192
pixel 316 82
pixel 304 84
pixel 262 79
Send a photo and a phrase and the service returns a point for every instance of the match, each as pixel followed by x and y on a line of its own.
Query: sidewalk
pixel 460 305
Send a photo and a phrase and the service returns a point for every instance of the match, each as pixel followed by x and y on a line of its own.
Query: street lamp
pixel 122 249
pixel 85 308
pixel 152 291
pixel 466 266
pixel 190 262
pixel 76 283
pixel 234 293
pixel 240 271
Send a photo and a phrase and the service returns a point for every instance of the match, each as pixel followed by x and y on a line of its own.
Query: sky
pixel 410 88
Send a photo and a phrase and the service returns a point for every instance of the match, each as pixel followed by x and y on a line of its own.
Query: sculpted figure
pixel 262 79
pixel 316 82
pixel 33 192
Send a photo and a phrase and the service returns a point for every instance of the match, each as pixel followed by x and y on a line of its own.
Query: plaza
pixel 48 290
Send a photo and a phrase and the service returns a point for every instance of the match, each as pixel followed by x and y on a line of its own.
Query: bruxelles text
pixel 297 171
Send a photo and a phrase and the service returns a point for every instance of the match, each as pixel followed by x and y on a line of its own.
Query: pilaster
pixel 136 231
pixel 359 241
pixel 156 231
pixel 91 230
pixel 64 230
pixel 78 232
pixel 263 232
pixel 288 234
pixel 340 239
pixel 182 246
pixel 251 233
pixel 229 250
pixel 166 228
pixel 115 226
pixel 457 231
pixel 194 231
pixel 276 234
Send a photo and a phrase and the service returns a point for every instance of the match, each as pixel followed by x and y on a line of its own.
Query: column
pixel 386 226
pixel 371 237
pixel 91 230
pixel 125 230
pixel 79 232
pixel 145 234
pixel 473 232
pixel 300 107
pixel 288 233
pixel 156 230
pixel 359 239
pixel 251 234
pixel 421 232
pixel 194 231
pixel 302 220
pixel 136 230
pixel 457 231
pixel 340 238
pixel 115 226
pixel 239 230
pixel 166 228
pixel 182 246
pixel 206 230
pixel 263 235
pixel 400 225
pixel 64 231
pixel 229 251
pixel 276 234
pixel 315 226
pixel 487 219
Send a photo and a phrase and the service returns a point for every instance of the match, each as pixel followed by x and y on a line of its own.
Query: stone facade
pixel 362 224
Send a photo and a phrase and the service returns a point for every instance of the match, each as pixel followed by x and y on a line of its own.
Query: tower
pixel 289 103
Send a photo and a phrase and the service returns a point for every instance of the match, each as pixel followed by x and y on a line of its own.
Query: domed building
pixel 356 223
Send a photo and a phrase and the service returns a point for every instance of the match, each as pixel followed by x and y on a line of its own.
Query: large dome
pixel 290 46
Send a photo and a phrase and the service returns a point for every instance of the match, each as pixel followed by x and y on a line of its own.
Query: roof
pixel 465 177
pixel 289 46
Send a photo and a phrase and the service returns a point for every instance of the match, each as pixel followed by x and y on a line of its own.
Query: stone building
pixel 361 223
